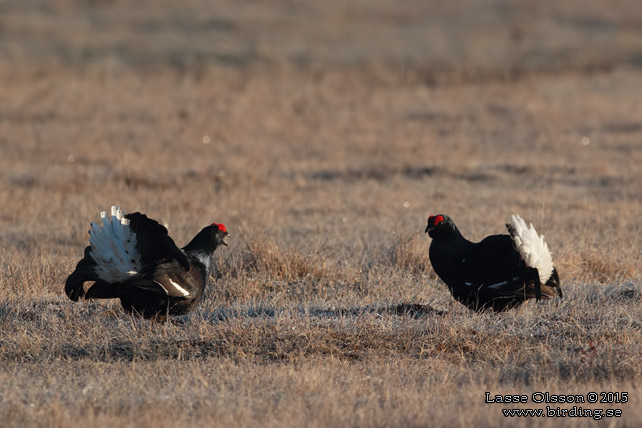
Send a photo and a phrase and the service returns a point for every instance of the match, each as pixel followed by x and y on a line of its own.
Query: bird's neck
pixel 201 248
pixel 202 257
pixel 447 251
pixel 202 242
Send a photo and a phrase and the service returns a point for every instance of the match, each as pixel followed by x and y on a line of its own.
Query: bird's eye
pixel 438 219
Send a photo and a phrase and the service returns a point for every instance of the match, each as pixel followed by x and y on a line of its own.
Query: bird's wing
pixel 169 279
pixel 153 242
pixel 496 270
pixel 493 267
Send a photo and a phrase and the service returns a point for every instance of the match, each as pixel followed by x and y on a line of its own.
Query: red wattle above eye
pixel 220 226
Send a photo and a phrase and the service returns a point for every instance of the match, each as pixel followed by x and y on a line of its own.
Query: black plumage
pixel 151 276
pixel 491 274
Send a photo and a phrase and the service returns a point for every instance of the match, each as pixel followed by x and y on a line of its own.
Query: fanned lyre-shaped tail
pixel 113 247
pixel 532 247
pixel 121 248
pixel 534 252
pixel 111 256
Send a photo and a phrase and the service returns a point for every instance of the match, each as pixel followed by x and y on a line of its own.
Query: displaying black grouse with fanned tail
pixel 500 272
pixel 131 257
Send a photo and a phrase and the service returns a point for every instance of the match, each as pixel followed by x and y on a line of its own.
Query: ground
pixel 322 135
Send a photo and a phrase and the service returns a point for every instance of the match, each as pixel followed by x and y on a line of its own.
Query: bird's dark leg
pixel 537 283
pixel 554 281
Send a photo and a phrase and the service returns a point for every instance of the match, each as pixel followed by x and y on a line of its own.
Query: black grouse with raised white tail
pixel 131 257
pixel 500 272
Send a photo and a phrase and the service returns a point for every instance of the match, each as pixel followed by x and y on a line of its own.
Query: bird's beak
pixel 222 239
pixel 428 229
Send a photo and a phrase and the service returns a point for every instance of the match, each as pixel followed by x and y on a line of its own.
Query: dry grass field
pixel 322 135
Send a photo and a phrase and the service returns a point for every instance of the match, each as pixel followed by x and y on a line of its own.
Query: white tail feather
pixel 113 247
pixel 532 247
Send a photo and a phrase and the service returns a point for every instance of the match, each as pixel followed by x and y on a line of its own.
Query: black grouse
pixel 500 272
pixel 131 257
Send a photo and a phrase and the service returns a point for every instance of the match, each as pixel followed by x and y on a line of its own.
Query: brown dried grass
pixel 325 309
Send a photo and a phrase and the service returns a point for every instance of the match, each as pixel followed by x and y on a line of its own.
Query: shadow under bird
pixel 131 257
pixel 500 272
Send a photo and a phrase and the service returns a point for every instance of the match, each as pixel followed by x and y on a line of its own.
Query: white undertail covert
pixel 113 247
pixel 531 247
